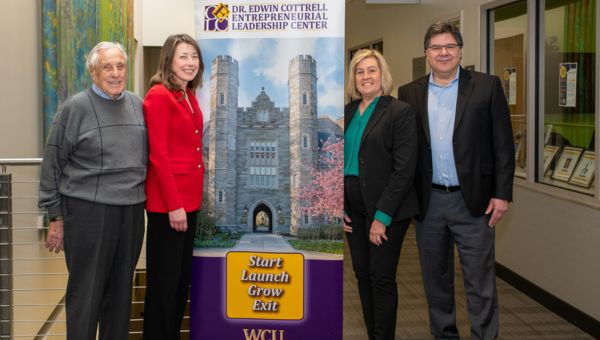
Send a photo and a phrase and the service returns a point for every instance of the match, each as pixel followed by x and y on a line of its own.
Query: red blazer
pixel 175 168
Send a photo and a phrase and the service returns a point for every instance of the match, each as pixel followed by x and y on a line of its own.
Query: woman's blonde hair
pixel 387 85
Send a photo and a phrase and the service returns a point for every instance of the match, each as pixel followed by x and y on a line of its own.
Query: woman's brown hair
pixel 164 75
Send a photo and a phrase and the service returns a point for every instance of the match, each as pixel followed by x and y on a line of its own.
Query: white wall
pixel 21 86
pixel 162 18
pixel 548 237
pixel 553 242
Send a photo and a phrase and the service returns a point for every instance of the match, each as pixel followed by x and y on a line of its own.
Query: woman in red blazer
pixel 173 185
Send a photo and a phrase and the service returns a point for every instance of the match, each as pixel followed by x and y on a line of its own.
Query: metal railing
pixel 32 279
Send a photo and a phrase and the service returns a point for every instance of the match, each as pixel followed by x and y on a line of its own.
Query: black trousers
pixel 102 246
pixel 169 268
pixel 374 266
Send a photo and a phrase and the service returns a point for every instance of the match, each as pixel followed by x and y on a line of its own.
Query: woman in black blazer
pixel 380 157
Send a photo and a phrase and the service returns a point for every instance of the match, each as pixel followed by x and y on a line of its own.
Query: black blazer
pixel 387 158
pixel 482 141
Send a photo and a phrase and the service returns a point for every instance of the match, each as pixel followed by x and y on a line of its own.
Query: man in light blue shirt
pixel 463 180
pixel 441 105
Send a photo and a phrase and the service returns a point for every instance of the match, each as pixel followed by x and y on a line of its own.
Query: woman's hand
pixel 377 233
pixel 55 237
pixel 347 227
pixel 178 219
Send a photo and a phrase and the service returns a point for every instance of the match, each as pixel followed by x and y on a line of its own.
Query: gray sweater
pixel 97 151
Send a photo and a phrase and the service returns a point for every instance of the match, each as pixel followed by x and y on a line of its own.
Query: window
pixel 231 142
pixel 221 98
pixel 568 80
pixel 262 116
pixel 508 37
pixel 554 133
pixel 220 196
pixel 262 163
pixel 306 220
pixel 305 141
pixel 304 98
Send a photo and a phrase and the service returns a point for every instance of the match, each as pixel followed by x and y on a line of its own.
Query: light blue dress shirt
pixel 103 94
pixel 441 107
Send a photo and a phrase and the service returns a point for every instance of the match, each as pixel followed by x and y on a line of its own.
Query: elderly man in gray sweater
pixel 92 184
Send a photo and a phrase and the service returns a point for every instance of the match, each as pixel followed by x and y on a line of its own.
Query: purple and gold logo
pixel 216 18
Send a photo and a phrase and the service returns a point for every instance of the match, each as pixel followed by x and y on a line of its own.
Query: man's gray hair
pixel 92 59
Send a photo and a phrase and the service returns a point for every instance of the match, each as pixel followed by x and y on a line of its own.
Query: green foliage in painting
pixel 70 29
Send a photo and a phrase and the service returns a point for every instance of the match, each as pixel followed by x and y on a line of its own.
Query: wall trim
pixel 561 308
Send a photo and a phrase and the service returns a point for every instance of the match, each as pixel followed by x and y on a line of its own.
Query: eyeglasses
pixel 449 48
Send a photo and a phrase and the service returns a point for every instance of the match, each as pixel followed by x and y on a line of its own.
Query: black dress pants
pixel 169 267
pixel 374 266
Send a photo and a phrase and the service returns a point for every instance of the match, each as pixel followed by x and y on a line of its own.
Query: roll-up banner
pixel 268 251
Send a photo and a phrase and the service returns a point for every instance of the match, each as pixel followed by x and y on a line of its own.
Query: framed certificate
pixel 549 153
pixel 566 163
pixel 584 171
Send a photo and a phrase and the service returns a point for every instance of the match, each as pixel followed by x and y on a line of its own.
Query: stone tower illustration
pixel 261 156
pixel 222 146
pixel 302 84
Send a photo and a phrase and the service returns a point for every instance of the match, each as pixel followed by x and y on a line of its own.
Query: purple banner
pixel 322 311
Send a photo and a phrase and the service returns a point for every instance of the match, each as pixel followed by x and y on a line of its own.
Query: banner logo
pixel 266 17
pixel 216 18
pixel 263 334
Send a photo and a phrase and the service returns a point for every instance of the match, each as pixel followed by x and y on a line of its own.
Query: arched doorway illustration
pixel 262 219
